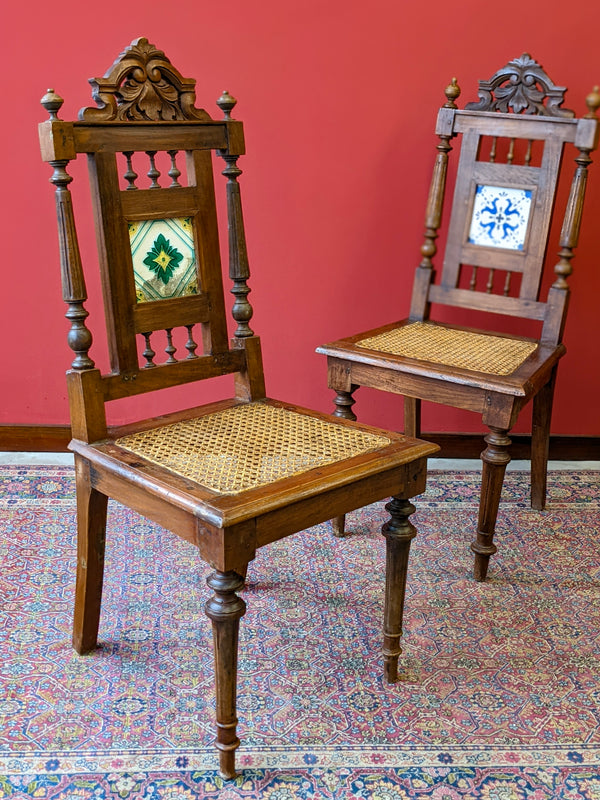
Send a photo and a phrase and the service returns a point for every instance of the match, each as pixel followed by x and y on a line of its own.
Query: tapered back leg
pixel 91 534
pixel 540 440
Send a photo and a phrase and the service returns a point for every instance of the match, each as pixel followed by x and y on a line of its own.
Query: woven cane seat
pixel 248 446
pixel 425 341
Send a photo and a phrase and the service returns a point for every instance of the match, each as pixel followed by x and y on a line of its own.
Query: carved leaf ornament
pixel 143 85
pixel 521 86
pixel 163 258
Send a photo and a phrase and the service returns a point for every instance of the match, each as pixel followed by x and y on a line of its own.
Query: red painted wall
pixel 339 100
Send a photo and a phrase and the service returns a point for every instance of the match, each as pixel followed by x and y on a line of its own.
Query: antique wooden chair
pixel 504 196
pixel 233 475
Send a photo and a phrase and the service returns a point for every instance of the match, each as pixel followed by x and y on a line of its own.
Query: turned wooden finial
pixel 592 101
pixel 452 92
pixel 226 103
pixel 52 103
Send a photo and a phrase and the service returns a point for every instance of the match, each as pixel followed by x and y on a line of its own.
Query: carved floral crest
pixel 142 84
pixel 523 86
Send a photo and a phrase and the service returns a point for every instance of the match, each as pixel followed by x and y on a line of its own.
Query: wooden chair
pixel 511 149
pixel 231 476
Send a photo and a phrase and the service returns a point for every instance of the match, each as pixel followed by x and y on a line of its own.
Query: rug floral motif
pixel 500 696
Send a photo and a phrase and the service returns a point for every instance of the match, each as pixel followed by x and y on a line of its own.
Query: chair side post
pixel 239 269
pixel 249 383
pixel 86 397
pixel 58 149
pixel 586 140
pixel 419 308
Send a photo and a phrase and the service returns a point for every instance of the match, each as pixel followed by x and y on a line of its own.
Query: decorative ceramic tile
pixel 164 259
pixel 500 217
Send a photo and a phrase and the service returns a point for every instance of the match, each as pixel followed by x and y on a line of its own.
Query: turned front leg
pixel 495 457
pixel 343 409
pixel 399 532
pixel 225 609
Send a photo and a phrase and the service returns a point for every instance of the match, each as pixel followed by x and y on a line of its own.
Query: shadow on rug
pixel 501 690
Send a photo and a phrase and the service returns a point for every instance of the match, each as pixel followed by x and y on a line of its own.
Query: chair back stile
pixel 157 237
pixel 512 144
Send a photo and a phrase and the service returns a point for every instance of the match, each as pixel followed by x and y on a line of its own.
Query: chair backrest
pixel 511 150
pixel 150 156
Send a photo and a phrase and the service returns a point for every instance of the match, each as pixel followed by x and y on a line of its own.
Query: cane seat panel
pixel 425 341
pixel 248 446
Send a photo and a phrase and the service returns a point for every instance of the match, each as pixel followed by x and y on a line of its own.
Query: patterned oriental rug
pixel 501 691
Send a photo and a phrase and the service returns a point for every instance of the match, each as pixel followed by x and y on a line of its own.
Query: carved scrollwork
pixel 142 84
pixel 523 86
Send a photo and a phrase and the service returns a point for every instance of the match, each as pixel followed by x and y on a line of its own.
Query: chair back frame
pixel 146 111
pixel 536 123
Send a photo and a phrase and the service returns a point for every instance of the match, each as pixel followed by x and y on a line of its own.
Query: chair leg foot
pixel 91 535
pixel 495 458
pixel 338 525
pixel 399 532
pixel 482 562
pixel 227 764
pixel 225 609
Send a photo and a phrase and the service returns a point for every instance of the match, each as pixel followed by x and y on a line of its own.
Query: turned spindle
pixel 74 291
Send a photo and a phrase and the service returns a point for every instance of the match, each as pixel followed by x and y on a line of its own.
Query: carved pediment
pixel 523 87
pixel 142 84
